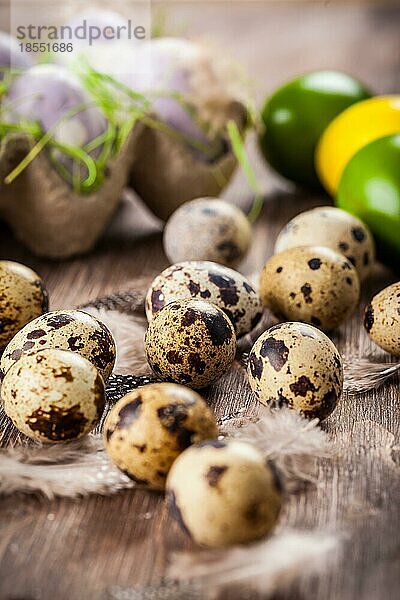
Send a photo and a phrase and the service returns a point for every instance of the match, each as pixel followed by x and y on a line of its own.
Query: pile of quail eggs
pixel 163 435
pixel 53 364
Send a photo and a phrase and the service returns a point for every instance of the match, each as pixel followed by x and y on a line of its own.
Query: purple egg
pixel 11 55
pixel 161 68
pixel 45 94
pixel 107 21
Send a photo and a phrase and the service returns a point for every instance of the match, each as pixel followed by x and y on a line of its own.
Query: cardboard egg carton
pixel 54 221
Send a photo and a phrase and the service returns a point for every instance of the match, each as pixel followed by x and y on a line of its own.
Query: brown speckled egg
pixel 207 229
pixel 148 428
pixel 296 365
pixel 382 319
pixel 334 228
pixel 22 298
pixel 312 284
pixel 204 280
pixel 224 493
pixel 72 330
pixel 53 395
pixel 190 342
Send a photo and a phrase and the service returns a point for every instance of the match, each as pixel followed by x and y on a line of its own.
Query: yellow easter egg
pixel 353 129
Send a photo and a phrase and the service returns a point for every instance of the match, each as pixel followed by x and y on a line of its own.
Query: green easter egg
pixel 370 189
pixel 295 117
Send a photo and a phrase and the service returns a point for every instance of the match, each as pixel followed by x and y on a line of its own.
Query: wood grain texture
pixel 78 550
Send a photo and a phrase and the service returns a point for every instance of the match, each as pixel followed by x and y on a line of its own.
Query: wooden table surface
pixel 79 550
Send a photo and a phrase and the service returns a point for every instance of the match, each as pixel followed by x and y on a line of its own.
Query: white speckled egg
pixel 22 298
pixel 334 228
pixel 190 342
pixel 205 280
pixel 382 319
pixel 224 493
pixel 148 428
pixel 72 330
pixel 296 365
pixel 53 395
pixel 207 229
pixel 312 284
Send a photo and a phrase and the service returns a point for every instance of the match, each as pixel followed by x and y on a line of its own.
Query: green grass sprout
pixel 48 138
pixel 138 106
pixel 240 153
pixel 123 108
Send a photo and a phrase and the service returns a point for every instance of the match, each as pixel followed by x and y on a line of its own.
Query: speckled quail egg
pixel 205 280
pixel 224 493
pixel 312 284
pixel 53 395
pixel 382 319
pixel 148 428
pixel 207 229
pixel 22 298
pixel 296 365
pixel 191 342
pixel 334 228
pixel 72 330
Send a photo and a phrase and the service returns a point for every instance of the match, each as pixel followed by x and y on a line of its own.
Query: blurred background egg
pixel 207 229
pixel 333 228
pixel 370 189
pixel 295 116
pixel 352 130
pixel 11 55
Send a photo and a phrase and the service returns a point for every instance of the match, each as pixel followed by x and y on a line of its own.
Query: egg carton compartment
pixel 44 212
pixel 54 221
pixel 175 174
